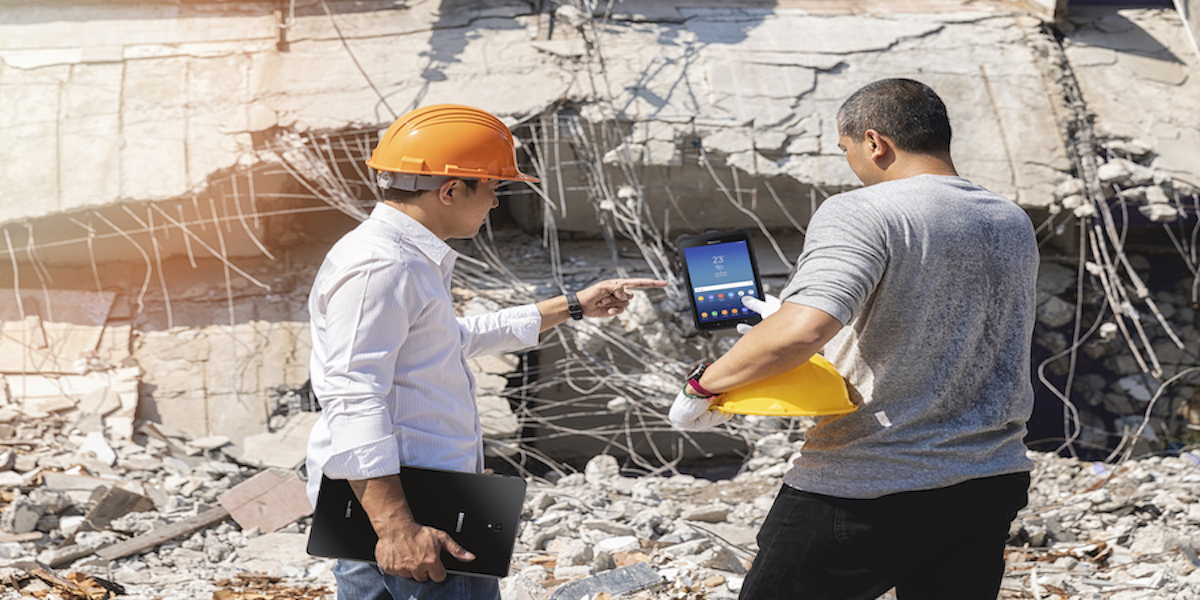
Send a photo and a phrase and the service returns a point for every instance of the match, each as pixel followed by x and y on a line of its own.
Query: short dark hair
pixel 402 196
pixel 908 112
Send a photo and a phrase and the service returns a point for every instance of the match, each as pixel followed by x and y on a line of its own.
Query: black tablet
pixel 481 512
pixel 719 270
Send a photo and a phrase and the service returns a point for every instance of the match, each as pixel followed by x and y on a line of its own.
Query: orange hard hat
pixel 449 140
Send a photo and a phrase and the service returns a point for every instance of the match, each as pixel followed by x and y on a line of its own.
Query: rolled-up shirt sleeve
pixel 365 333
pixel 506 330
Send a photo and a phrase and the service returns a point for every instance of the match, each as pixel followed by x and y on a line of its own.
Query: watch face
pixel 697 372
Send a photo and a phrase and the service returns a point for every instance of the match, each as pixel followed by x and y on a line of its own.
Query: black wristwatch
pixel 573 307
pixel 693 380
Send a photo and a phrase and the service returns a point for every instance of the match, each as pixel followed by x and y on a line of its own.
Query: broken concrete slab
pixel 615 582
pixel 46 332
pixel 116 502
pixel 267 502
pixel 282 449
pixel 678 82
pixel 211 442
pixel 110 395
pixel 96 446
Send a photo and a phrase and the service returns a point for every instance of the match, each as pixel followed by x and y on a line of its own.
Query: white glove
pixel 691 414
pixel 765 308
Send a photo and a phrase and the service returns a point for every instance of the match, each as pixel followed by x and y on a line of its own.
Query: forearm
pixel 554 312
pixel 780 343
pixel 386 505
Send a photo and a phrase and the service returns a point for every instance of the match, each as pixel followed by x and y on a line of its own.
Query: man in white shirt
pixel 389 355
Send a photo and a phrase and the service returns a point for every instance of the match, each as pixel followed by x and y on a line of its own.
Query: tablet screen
pixel 720 275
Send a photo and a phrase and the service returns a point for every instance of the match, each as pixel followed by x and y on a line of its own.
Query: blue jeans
pixel 364 581
pixel 929 545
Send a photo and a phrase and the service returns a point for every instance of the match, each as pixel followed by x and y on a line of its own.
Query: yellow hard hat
pixel 812 389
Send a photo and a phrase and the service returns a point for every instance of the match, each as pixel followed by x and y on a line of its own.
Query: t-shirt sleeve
pixel 845 253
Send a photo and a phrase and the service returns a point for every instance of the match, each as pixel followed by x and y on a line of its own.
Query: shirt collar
pixel 417 234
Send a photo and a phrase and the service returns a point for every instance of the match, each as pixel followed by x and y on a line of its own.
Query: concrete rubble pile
pixel 1092 530
pixel 162 516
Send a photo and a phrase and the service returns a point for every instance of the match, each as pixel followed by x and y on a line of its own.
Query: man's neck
pixel 420 214
pixel 912 165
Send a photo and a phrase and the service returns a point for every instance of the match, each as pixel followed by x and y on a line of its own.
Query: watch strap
pixel 573 306
pixel 694 381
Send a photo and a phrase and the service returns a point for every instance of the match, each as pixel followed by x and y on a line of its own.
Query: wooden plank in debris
pixel 267 501
pixel 32 536
pixel 65 482
pixel 158 536
pixel 63 556
pixel 54 580
pixel 615 582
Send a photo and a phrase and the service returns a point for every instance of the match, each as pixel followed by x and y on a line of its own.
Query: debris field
pixel 166 517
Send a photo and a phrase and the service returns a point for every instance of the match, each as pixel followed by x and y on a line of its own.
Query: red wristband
pixel 694 380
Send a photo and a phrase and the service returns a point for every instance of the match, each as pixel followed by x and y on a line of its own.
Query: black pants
pixel 933 544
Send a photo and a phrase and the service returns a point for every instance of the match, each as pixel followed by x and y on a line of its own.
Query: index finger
pixel 641 283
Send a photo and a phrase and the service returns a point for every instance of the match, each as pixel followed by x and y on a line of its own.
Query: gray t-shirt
pixel 934 278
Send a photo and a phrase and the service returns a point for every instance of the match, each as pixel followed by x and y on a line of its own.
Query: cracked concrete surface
pixel 159 98
pixel 126 102
pixel 1141 78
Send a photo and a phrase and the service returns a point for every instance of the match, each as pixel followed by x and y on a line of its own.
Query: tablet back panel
pixel 481 512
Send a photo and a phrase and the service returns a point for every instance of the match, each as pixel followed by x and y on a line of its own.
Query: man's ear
pixel 877 145
pixel 448 191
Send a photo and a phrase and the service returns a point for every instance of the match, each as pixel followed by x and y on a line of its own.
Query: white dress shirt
pixel 389 357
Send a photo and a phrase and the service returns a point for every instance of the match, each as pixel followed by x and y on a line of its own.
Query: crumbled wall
pixel 158 110
pixel 191 210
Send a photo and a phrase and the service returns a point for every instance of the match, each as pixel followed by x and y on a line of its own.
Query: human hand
pixel 765 308
pixel 611 297
pixel 414 551
pixel 690 413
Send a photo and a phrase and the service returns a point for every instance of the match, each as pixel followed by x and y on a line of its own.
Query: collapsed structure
pixel 174 170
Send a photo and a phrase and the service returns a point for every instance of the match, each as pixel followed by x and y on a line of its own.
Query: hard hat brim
pixel 770 407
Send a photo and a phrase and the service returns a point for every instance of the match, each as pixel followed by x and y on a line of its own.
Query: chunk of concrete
pixel 601 467
pixel 95 445
pixel 616 582
pixel 282 449
pixel 268 501
pixel 705 514
pixel 20 516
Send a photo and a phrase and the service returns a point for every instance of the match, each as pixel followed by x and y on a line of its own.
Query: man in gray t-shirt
pixel 920 289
